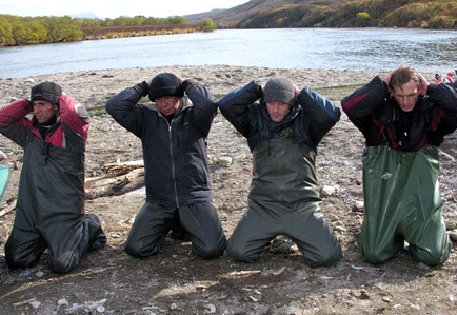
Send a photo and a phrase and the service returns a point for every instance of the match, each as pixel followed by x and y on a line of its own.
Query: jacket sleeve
pixel 321 114
pixel 362 105
pixel 204 106
pixel 444 96
pixel 74 115
pixel 13 123
pixel 235 106
pixel 124 109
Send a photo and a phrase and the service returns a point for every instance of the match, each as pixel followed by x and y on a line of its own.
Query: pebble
pixel 328 190
pixel 226 161
pixel 357 206
pixel 453 236
pixel 451 226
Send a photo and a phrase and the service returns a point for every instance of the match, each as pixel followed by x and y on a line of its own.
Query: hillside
pixel 436 14
pixel 232 16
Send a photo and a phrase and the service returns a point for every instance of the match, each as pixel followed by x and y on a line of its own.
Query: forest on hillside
pixel 436 14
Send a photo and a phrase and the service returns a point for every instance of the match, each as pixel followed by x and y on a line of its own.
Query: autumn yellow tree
pixel 206 25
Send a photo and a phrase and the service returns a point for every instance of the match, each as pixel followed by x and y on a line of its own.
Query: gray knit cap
pixel 279 90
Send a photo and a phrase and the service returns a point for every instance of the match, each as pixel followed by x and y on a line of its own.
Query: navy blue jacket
pixel 310 118
pixel 174 154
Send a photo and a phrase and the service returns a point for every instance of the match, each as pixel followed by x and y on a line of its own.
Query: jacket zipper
pixel 173 163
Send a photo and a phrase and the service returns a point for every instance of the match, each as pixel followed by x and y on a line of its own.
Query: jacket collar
pixel 50 126
pixel 391 111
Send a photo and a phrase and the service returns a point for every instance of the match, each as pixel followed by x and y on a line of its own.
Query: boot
pixel 97 238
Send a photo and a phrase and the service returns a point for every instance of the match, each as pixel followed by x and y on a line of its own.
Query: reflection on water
pixel 350 49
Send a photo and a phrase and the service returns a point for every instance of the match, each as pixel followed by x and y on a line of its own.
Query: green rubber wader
pixel 402 202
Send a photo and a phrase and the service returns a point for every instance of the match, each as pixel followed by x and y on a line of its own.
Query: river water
pixel 318 48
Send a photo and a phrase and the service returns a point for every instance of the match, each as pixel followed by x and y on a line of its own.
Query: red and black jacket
pixel 51 187
pixel 69 131
pixel 381 121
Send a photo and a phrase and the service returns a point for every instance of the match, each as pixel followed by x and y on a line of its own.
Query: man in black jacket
pixel 173 133
pixel 282 131
pixel 404 120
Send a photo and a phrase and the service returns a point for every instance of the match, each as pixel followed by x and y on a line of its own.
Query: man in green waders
pixel 403 119
pixel 282 131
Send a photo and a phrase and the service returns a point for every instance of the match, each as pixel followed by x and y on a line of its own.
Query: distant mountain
pixel 336 13
pixel 85 15
pixel 198 16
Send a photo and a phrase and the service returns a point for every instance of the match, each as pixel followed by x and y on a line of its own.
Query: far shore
pixel 97 85
pixel 94 87
pixel 192 30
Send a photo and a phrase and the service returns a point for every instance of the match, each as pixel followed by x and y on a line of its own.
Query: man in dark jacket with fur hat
pixel 403 120
pixel 282 131
pixel 173 133
pixel 50 202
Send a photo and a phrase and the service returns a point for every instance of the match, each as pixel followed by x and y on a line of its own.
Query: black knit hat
pixel 46 91
pixel 279 90
pixel 165 84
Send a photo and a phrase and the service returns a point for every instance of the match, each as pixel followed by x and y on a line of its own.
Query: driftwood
pixel 119 178
pixel 10 207
pixel 117 169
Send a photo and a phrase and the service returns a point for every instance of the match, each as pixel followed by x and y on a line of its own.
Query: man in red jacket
pixel 50 202
pixel 403 120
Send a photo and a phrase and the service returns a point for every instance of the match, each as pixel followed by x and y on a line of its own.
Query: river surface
pixel 370 49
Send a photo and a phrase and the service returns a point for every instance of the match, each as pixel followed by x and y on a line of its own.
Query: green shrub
pixel 443 21
pixel 6 32
pixel 206 25
pixel 363 18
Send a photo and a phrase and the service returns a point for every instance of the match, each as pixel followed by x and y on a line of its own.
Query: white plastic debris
pixel 62 302
pixel 35 304
pixel 210 308
pixel 98 306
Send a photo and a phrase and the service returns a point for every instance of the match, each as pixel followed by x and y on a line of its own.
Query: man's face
pixel 277 110
pixel 168 105
pixel 44 111
pixel 406 95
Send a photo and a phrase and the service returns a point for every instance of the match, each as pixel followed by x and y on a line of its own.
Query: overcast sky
pixel 113 8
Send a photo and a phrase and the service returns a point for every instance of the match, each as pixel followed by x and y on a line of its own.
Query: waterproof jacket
pixel 378 116
pixel 174 154
pixel 284 152
pixel 52 176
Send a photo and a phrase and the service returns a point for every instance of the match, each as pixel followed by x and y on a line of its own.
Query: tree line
pixel 15 30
